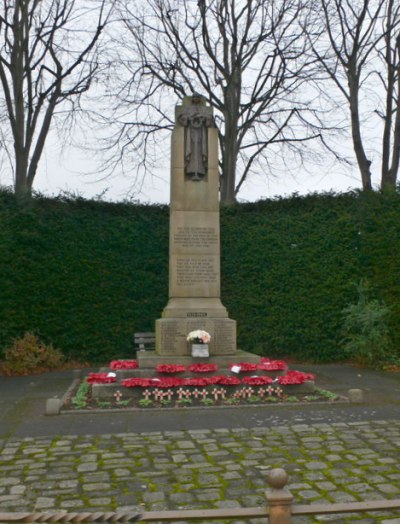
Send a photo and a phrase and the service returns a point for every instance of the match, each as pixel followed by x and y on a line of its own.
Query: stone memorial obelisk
pixel 194 241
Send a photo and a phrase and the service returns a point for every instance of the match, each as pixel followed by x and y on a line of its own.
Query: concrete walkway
pixel 200 459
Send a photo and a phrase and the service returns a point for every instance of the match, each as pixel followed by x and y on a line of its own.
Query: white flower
pixel 199 337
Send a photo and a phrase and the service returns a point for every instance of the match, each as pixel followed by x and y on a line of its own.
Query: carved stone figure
pixel 196 119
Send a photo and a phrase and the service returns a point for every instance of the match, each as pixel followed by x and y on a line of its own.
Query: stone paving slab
pixel 204 468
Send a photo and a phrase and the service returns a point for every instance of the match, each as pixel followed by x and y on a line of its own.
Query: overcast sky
pixel 67 170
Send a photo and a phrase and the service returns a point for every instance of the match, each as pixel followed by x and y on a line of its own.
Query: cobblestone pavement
pixel 204 468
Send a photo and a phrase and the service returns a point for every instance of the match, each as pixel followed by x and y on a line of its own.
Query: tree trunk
pixel 21 184
pixel 230 151
pixel 390 156
pixel 229 159
pixel 362 160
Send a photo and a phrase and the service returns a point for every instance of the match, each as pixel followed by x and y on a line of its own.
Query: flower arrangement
pixel 101 378
pixel 198 337
pixel 170 368
pixel 272 365
pixel 243 366
pixel 295 377
pixel 123 364
pixel 202 368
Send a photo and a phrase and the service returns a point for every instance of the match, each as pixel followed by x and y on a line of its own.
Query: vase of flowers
pixel 199 340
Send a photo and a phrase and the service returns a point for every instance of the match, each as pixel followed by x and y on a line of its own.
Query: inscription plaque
pixel 225 335
pixel 196 237
pixel 195 270
pixel 172 334
pixel 168 337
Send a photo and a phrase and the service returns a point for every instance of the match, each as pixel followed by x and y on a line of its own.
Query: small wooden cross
pixel 238 394
pixel 196 393
pixel 117 396
pixel 249 392
pixel 147 394
pixel 215 393
pixel 270 390
pixel 169 394
pixel 180 392
pixel 158 394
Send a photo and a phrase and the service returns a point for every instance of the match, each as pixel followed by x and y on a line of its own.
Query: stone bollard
pixel 356 396
pixel 279 497
pixel 53 406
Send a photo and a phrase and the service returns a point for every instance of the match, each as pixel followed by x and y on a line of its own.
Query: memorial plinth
pixel 194 241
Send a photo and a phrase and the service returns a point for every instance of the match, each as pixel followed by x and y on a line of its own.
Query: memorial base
pixel 148 360
pixel 171 335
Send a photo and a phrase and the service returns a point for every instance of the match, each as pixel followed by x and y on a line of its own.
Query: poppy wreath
pixel 170 368
pixel 101 378
pixel 272 365
pixel 295 377
pixel 202 368
pixel 244 366
pixel 257 381
pixel 123 364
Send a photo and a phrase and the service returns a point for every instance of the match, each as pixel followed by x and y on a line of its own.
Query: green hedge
pixel 85 275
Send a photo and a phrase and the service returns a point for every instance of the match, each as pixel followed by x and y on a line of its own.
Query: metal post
pixel 279 497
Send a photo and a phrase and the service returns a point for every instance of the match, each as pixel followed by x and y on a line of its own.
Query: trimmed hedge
pixel 85 275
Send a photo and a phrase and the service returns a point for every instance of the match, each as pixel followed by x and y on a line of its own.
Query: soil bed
pixel 80 398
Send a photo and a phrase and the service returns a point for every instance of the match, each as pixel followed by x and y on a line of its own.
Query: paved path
pixel 197 459
pixel 203 468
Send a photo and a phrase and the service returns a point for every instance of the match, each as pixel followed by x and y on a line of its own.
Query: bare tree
pixel 359 50
pixel 47 57
pixel 247 57
pixel 389 54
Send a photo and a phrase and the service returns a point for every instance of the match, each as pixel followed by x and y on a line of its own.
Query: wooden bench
pixel 145 341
